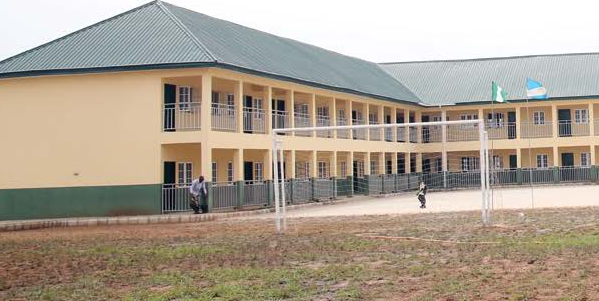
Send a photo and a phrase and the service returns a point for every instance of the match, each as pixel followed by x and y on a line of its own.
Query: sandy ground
pixel 505 198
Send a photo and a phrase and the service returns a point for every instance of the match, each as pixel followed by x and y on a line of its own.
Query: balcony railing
pixel 280 119
pixel 358 134
pixel 401 134
pixel 343 134
pixel 501 130
pixel 567 128
pixel 302 120
pixel 413 134
pixel 254 120
pixel 181 116
pixel 596 126
pixel 389 134
pixel 375 133
pixel 432 133
pixel 224 117
pixel 532 130
pixel 462 132
pixel 321 121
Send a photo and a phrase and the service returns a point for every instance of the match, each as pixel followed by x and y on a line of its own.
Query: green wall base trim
pixel 60 202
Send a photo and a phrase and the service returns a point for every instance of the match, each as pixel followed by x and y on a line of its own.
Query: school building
pixel 119 117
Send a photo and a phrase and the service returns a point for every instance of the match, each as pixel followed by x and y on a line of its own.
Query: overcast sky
pixel 375 30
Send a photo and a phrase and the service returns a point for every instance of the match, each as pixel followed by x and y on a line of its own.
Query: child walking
pixel 422 195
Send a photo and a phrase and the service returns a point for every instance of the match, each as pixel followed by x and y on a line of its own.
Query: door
pixel 565 122
pixel 278 117
pixel 247 114
pixel 567 159
pixel 513 162
pixel 426 165
pixel 169 191
pixel 425 130
pixel 169 172
pixel 511 125
pixel 248 171
pixel 170 98
pixel 401 164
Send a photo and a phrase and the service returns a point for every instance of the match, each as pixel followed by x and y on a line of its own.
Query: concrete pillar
pixel 313 110
pixel 444 141
pixel 348 115
pixel 366 107
pixel 238 165
pixel 418 162
pixel 268 110
pixel 333 114
pixel 381 120
pixel 206 107
pixel 291 110
pixel 333 167
pixel 394 169
pixel 555 156
pixel 291 165
pixel 519 157
pixel 518 121
pixel 382 164
pixel 314 164
pixel 592 151
pixel 267 165
pixel 554 120
pixel 206 157
pixel 367 163
pixel 238 99
pixel 350 163
pixel 418 118
pixel 394 120
pixel 592 120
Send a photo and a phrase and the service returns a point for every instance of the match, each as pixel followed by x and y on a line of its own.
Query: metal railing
pixel 302 120
pixel 224 117
pixel 323 188
pixel 537 175
pixel 413 134
pixel 401 134
pixel 254 120
pixel 323 120
pixel 432 133
pixel 462 132
pixel 567 128
pixel 175 198
pixel 575 174
pixel 280 119
pixel 302 190
pixel 181 116
pixel 358 134
pixel 224 195
pixel 596 127
pixel 375 133
pixel 388 134
pixel 532 130
pixel 501 130
pixel 343 134
pixel 255 193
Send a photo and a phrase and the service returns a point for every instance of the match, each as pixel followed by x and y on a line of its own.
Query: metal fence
pixel 537 175
pixel 181 116
pixel 388 134
pixel 575 174
pixel 402 182
pixel 344 186
pixel 503 177
pixel 322 121
pixel 462 132
pixel 302 120
pixel 280 119
pixel 413 134
pixel 375 184
pixel 359 134
pixel 175 198
pixel 432 133
pixel 254 120
pixel 532 130
pixel 224 195
pixel 255 193
pixel 401 134
pixel 375 133
pixel 388 182
pixel 567 128
pixel 224 117
pixel 302 190
pixel 324 189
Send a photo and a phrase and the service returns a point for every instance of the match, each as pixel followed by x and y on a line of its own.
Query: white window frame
pixel 497 162
pixel 581 116
pixel 184 173
pixel 258 172
pixel 437 118
pixel 323 171
pixel 542 161
pixel 538 118
pixel 214 175
pixel 468 117
pixel 322 111
pixel 439 165
pixel 469 164
pixel 231 103
pixel 497 120
pixel 230 171
pixel 360 171
pixel 374 167
pixel 184 97
pixel 343 169
pixel 585 159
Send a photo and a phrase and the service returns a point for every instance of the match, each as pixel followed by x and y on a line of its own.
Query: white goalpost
pixel 440 132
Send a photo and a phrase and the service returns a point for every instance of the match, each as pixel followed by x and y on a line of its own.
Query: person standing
pixel 422 195
pixel 198 196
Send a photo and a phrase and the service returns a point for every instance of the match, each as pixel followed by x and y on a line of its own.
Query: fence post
pixel 312 189
pixel 210 196
pixel 350 190
pixel 335 188
pixel 291 194
pixel 519 176
pixel 593 173
pixel 271 195
pixel 240 187
pixel 556 174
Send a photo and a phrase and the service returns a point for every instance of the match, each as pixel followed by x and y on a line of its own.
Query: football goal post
pixel 377 159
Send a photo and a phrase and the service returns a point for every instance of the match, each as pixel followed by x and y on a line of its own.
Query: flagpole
pixel 532 194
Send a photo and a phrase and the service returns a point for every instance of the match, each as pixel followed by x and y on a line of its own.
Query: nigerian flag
pixel 498 94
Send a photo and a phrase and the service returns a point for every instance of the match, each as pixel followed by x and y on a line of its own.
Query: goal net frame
pixel 278 156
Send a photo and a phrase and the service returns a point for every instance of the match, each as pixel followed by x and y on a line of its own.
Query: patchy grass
pixel 549 255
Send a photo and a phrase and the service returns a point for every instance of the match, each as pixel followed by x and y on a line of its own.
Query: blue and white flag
pixel 534 90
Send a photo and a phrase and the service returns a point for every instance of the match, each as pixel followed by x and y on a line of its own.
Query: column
pixel 366 117
pixel 238 99
pixel 334 164
pixel 418 118
pixel 206 166
pixel 333 115
pixel 206 108
pixel 367 163
pixel 555 123
pixel 518 162
pixel 291 165
pixel 418 162
pixel 314 164
pixel 406 119
pixel 350 172
pixel 313 111
pixel 382 163
pixel 268 110
pixel 518 121
pixel 291 110
pixel 394 129
pixel 381 120
pixel 555 156
pixel 348 115
pixel 267 165
pixel 592 121
pixel 394 169
pixel 444 141
pixel 238 177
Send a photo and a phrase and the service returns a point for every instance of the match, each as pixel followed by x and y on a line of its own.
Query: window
pixel 539 118
pixel 360 171
pixel 469 117
pixel 497 162
pixel 341 114
pixel 469 163
pixel 343 167
pixel 258 175
pixel 230 172
pixel 185 173
pixel 302 170
pixel 374 167
pixel 373 118
pixel 542 161
pixel 323 171
pixel 585 159
pixel 214 172
pixel 215 97
pixel 258 104
pixel 184 98
pixel 439 164
pixel 301 109
pixel 437 118
pixel 496 120
pixel 322 111
pixel 388 167
pixel 581 116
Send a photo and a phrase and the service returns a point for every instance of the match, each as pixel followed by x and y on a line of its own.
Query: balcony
pixel 254 120
pixel 343 134
pixel 462 132
pixel 224 117
pixel 323 121
pixel 358 134
pixel 375 133
pixel 389 134
pixel 432 133
pixel 536 130
pixel 181 116
pixel 280 119
pixel 567 128
pixel 413 134
pixel 401 134
pixel 302 120
pixel 501 130
pixel 596 127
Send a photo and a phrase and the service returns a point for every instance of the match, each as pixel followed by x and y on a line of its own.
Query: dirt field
pixel 549 254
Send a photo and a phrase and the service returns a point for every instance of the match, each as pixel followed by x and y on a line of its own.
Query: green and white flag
pixel 498 94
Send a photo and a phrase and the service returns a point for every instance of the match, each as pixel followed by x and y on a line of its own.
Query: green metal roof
pixel 161 35
pixel 469 81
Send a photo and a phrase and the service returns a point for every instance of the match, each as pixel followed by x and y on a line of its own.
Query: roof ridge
pixel 77 32
pixel 184 28
pixel 491 58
